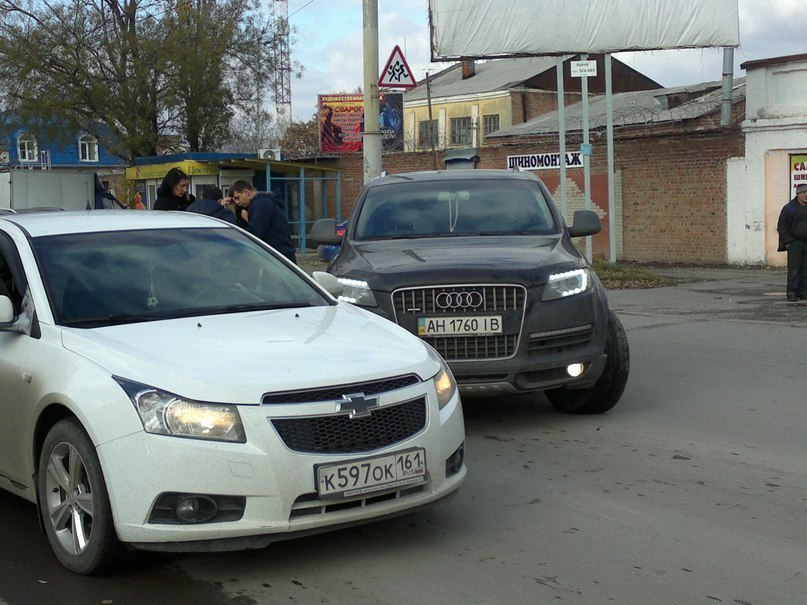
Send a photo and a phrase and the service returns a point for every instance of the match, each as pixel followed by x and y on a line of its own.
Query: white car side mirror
pixel 6 310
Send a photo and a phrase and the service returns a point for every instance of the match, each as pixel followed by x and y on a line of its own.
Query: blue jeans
pixel 797 268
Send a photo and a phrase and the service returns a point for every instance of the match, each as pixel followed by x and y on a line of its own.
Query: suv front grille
pixel 505 300
pixel 340 434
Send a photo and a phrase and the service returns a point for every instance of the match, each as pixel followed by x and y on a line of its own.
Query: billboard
pixel 485 29
pixel 341 122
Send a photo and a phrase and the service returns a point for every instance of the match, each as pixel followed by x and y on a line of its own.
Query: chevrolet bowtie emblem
pixel 358 405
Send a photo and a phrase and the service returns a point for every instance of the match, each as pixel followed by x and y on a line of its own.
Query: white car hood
pixel 237 358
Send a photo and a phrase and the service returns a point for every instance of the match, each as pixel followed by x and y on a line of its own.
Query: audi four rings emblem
pixel 458 300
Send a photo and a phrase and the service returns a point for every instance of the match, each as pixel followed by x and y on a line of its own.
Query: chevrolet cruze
pixel 168 382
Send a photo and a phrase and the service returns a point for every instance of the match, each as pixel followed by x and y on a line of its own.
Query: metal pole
pixel 609 110
pixel 431 124
pixel 586 156
pixel 372 132
pixel 728 79
pixel 561 134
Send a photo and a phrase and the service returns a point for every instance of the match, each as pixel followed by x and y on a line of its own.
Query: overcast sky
pixel 328 43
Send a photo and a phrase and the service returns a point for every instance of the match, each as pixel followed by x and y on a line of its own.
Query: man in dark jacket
pixel 792 227
pixel 266 214
pixel 211 204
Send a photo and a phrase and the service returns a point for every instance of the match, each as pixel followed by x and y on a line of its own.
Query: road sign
pixel 584 69
pixel 397 74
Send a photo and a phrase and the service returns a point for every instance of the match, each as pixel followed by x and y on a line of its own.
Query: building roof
pixel 642 107
pixel 754 64
pixel 498 74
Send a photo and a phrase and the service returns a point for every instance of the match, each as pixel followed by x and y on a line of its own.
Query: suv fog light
pixel 574 370
pixel 196 509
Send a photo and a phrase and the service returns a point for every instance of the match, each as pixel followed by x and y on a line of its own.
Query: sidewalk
pixel 745 293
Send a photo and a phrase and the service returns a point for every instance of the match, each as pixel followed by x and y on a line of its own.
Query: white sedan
pixel 168 382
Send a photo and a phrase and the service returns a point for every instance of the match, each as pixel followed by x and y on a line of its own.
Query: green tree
pixel 142 75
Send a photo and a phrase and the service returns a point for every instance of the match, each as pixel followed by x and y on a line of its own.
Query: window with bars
pixel 427 133
pixel 461 131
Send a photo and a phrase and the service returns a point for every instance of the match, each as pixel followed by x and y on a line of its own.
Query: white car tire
pixel 73 501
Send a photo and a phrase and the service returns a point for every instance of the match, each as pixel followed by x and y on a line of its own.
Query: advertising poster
pixel 341 123
pixel 798 172
pixel 390 120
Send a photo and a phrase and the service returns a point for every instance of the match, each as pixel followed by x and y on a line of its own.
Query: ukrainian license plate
pixel 367 475
pixel 470 325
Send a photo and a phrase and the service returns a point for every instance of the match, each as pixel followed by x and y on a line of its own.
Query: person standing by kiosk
pixel 792 228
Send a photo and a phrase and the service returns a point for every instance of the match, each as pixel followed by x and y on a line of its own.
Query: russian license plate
pixel 470 325
pixel 367 475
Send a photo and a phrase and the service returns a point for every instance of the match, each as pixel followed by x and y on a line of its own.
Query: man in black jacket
pixel 266 215
pixel 792 227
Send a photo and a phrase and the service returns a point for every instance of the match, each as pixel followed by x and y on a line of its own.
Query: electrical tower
pixel 282 57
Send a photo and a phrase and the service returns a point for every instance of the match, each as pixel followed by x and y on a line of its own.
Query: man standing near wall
pixel 792 229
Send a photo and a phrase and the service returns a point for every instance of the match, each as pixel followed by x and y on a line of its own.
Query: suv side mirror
pixel 586 222
pixel 323 232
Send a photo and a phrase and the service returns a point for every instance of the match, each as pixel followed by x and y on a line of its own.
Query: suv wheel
pixel 605 393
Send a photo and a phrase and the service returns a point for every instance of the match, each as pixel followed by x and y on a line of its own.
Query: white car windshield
pixel 448 207
pixel 107 278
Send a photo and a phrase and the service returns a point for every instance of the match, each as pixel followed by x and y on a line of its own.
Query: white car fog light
pixel 574 370
pixel 196 509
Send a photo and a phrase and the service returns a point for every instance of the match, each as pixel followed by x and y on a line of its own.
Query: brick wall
pixel 673 203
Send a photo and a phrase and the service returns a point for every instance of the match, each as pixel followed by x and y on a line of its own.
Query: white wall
pixel 775 126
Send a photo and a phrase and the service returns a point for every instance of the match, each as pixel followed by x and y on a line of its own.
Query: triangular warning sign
pixel 397 73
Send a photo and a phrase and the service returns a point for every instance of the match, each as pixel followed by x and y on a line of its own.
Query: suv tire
pixel 605 393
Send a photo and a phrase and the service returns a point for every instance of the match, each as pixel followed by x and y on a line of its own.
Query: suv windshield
pixel 107 278
pixel 446 207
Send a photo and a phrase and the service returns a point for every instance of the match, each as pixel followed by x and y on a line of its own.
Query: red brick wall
pixel 673 187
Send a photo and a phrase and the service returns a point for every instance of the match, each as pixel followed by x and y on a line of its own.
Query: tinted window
pixel 117 277
pixel 451 207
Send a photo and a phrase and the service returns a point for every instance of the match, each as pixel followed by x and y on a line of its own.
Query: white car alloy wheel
pixel 73 500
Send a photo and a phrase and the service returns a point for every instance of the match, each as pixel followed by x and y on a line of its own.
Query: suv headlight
pixel 561 285
pixel 357 291
pixel 164 413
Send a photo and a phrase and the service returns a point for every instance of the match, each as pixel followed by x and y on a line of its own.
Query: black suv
pixel 481 265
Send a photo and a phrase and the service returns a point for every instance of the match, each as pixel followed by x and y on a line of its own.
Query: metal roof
pixel 498 74
pixel 632 109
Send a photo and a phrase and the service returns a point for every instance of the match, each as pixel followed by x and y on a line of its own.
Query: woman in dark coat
pixel 173 193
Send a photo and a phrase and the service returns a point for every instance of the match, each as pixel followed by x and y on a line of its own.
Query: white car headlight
pixel 164 413
pixel 444 382
pixel 561 285
pixel 357 291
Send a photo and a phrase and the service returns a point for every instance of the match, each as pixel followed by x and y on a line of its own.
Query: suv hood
pixel 528 259
pixel 238 358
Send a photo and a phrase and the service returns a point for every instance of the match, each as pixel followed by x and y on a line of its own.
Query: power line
pixel 301 8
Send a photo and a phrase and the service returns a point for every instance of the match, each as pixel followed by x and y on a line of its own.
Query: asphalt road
pixel 691 490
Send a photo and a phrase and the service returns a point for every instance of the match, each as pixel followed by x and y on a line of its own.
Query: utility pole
pixel 372 132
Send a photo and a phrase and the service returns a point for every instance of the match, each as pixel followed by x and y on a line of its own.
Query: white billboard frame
pixel 483 29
